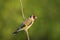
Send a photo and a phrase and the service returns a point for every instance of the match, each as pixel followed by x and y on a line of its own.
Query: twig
pixel 24 18
pixel 27 34
pixel 22 9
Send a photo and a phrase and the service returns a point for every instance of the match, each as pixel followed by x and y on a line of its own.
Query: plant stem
pixel 27 34
pixel 22 9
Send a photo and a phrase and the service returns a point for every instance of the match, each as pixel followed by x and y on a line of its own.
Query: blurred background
pixel 46 26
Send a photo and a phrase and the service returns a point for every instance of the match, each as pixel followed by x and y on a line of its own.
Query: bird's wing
pixel 25 24
pixel 21 26
pixel 19 29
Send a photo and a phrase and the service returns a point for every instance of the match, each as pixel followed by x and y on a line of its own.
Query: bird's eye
pixel 30 16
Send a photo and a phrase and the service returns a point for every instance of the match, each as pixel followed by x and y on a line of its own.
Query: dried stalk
pixel 22 9
pixel 27 34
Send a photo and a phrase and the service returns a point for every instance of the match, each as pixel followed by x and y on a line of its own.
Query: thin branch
pixel 27 34
pixel 22 9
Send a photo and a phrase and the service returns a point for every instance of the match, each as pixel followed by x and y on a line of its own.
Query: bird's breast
pixel 28 26
pixel 28 23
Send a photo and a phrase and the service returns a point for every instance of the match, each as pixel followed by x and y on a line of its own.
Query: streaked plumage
pixel 26 24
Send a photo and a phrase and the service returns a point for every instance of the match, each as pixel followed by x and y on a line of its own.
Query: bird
pixel 26 24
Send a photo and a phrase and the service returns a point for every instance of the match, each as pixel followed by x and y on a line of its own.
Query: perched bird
pixel 26 24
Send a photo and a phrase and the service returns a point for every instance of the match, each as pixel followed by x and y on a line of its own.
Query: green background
pixel 46 26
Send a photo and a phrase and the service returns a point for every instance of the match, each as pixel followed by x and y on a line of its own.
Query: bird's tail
pixel 15 33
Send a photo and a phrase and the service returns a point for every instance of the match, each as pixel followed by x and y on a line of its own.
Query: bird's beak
pixel 35 17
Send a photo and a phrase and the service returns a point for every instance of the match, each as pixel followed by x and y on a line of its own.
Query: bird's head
pixel 33 17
